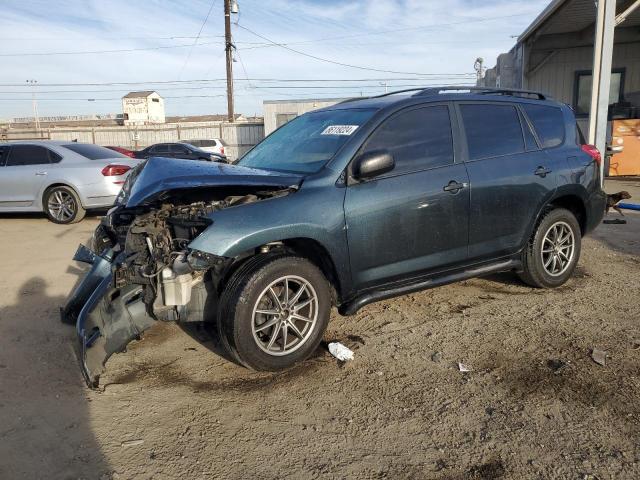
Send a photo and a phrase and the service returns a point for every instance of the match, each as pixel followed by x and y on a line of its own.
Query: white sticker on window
pixel 339 130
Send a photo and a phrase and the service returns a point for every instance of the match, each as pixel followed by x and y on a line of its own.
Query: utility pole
pixel 229 52
pixel 34 102
pixel 386 86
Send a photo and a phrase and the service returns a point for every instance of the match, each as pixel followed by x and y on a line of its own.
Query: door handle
pixel 41 173
pixel 454 187
pixel 542 171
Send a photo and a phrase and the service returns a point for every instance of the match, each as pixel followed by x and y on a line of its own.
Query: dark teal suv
pixel 362 201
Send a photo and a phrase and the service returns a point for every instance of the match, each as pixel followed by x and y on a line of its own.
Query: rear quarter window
pixel 93 152
pixel 548 123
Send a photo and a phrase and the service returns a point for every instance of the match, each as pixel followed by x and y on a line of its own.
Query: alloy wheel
pixel 558 247
pixel 284 316
pixel 61 205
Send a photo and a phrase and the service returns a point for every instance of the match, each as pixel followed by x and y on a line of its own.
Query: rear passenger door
pixel 511 177
pixel 25 170
pixel 409 220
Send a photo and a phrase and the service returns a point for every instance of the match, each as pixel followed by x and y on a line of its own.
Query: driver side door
pixel 409 221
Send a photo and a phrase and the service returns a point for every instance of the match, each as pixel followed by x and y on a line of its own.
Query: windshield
pixel 93 152
pixel 306 143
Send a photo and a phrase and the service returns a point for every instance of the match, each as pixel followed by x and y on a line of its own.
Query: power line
pixel 428 76
pixel 92 52
pixel 251 85
pixel 326 60
pixel 384 32
pixel 197 38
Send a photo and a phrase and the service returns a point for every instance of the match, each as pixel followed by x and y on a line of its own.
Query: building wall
pixel 239 137
pixel 292 108
pixel 143 110
pixel 557 76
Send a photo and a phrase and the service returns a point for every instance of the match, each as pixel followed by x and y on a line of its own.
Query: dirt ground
pixel 535 404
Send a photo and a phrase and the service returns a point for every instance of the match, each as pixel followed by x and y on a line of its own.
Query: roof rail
pixel 481 91
pixel 353 99
pixel 421 91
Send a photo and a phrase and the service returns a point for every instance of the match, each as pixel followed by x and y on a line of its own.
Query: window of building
pixel 282 118
pixel 548 123
pixel 582 90
pixel 21 155
pixel 492 130
pixel 155 100
pixel 418 139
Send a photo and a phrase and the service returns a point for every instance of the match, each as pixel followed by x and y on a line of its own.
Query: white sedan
pixel 61 179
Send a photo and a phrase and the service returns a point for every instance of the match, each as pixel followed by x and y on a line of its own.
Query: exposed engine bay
pixel 151 250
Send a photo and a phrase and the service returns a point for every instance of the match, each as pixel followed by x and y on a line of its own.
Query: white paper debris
pixel 132 443
pixel 340 351
pixel 463 368
pixel 599 356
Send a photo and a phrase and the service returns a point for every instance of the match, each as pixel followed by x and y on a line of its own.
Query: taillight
pixel 115 170
pixel 593 152
pixel 222 150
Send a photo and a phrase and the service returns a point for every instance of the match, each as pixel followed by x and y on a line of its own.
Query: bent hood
pixel 159 175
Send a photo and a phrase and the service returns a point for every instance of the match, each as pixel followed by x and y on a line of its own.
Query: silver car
pixel 61 179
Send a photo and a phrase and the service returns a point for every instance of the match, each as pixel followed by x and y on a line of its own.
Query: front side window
pixel 162 148
pixel 308 142
pixel 582 90
pixel 180 149
pixel 491 130
pixel 21 155
pixel 548 123
pixel 418 139
pixel 3 155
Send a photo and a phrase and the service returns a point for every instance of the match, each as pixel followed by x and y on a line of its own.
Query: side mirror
pixel 371 164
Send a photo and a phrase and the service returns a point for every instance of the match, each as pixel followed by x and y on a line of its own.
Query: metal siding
pixel 557 76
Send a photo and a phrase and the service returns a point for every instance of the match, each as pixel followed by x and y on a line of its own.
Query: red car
pixel 124 151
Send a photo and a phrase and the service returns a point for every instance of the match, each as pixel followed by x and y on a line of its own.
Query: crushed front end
pixel 143 270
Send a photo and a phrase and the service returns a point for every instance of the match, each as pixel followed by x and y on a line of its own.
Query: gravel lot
pixel 535 404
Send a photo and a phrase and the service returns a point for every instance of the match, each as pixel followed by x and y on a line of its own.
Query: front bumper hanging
pixel 107 318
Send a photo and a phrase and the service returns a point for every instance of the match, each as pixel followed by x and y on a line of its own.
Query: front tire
pixel 553 251
pixel 62 205
pixel 274 311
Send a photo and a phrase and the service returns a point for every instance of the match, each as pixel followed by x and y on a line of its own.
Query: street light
pixel 32 83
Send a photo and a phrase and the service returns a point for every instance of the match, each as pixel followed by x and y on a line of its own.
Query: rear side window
pixel 21 155
pixel 548 123
pixel 492 130
pixel 418 139
pixel 93 152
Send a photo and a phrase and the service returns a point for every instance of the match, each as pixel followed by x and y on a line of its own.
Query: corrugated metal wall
pixel 239 137
pixel 557 76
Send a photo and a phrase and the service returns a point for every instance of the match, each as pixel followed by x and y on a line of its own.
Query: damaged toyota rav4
pixel 359 202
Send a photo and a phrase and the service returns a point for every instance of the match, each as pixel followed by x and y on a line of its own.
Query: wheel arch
pixel 58 184
pixel 575 204
pixel 305 247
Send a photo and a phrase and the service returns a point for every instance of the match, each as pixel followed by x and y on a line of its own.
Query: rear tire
pixel 264 326
pixel 62 205
pixel 553 251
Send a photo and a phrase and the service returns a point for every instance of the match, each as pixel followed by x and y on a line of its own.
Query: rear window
pixel 93 152
pixel 492 130
pixel 548 123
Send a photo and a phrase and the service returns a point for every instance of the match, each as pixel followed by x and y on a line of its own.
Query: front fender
pixel 314 213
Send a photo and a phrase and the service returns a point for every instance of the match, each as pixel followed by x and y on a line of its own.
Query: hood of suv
pixel 158 175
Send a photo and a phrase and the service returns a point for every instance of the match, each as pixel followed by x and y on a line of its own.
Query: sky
pixel 86 54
